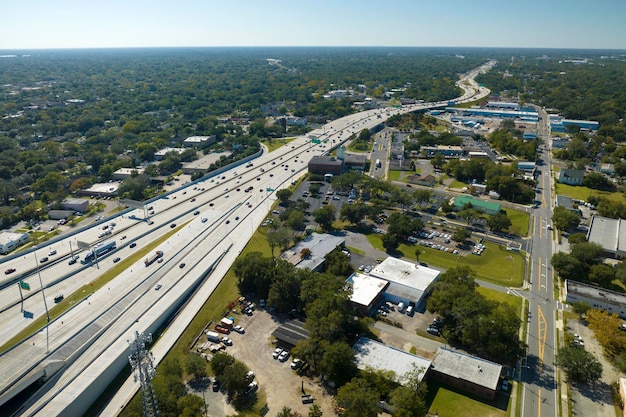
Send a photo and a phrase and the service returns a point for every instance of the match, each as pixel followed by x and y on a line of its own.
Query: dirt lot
pixel 277 381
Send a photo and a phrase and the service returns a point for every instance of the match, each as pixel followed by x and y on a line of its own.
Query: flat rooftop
pixel 365 288
pixel 405 273
pixel 466 367
pixel 372 354
pixel 608 233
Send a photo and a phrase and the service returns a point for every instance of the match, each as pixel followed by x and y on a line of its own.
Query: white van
pixel 409 311
pixel 401 307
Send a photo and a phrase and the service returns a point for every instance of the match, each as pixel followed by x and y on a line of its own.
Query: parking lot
pixel 277 381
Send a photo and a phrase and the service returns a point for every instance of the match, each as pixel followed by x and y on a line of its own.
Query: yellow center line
pixel 538 402
pixel 541 336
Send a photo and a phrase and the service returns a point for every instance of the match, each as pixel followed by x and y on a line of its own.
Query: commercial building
pixel 160 154
pixel 325 165
pixel 122 173
pixel 527 167
pixel 447 151
pixel 610 234
pixel 203 164
pixel 370 354
pixel 559 124
pixel 427 180
pixel 354 162
pixel 486 207
pixel 477 155
pixel 596 297
pixel 367 292
pixel 319 246
pixel 9 241
pixel 409 283
pixel 571 176
pixel 199 141
pixel 470 374
pixel 76 204
pixel 106 189
pixel 529 115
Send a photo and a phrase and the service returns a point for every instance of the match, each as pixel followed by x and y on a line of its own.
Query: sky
pixel 37 24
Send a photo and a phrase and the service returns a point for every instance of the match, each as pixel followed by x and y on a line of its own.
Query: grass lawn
pixel 457 184
pixel 274 144
pixel 495 265
pixel 398 175
pixel 360 146
pixel 519 221
pixel 583 193
pixel 446 402
pixel 501 297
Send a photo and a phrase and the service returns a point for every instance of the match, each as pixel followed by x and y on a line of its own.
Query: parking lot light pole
pixel 45 303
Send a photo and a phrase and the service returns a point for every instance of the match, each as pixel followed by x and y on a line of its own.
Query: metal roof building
pixel 320 244
pixel 480 205
pixel 367 292
pixel 372 354
pixel 470 373
pixel 596 297
pixel 290 332
pixel 610 234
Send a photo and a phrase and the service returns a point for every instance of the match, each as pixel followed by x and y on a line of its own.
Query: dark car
pixel 181 266
pixel 196 212
pixel 9 271
pixel 216 385
pixel 132 245
pixel 173 225
pixel 433 330
pixel 116 260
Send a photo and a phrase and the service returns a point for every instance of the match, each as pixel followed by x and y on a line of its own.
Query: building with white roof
pixel 123 173
pixel 610 234
pixel 10 241
pixel 367 292
pixel 471 374
pixel 199 141
pixel 409 283
pixel 103 189
pixel 378 356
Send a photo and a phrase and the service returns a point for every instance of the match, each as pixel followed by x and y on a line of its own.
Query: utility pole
pixel 141 361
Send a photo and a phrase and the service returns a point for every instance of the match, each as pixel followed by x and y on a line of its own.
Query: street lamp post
pixel 45 303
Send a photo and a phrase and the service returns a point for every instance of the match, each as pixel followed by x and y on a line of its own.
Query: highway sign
pixel 24 285
pixel 28 315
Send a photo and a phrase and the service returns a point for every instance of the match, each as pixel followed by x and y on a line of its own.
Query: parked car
pixel 227 341
pixel 277 353
pixel 216 385
pixel 433 330
pixel 296 363
pixel 239 329
pixel 252 387
pixel 283 356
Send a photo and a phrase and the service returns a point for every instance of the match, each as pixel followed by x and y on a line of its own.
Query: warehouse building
pixel 367 292
pixel 9 241
pixel 470 374
pixel 76 204
pixel 320 245
pixel 610 234
pixel 598 298
pixel 370 354
pixel 409 283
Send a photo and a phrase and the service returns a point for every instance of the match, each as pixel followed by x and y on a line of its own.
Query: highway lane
pixel 353 122
pixel 539 396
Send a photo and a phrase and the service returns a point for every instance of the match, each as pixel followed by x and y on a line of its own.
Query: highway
pixel 88 342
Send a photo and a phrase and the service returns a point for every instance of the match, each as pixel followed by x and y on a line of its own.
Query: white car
pixel 203 220
pixel 277 353
pixel 283 356
pixel 239 329
pixel 227 341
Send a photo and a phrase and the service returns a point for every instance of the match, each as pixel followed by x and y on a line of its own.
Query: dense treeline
pixel 71 118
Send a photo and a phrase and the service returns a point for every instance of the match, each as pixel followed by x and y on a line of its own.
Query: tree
pixel 581 308
pixel 284 194
pixel 280 237
pixel 325 216
pixel 565 219
pixel 390 242
pixel 353 213
pixel 579 364
pixel 406 403
pixel 499 222
pixel 446 207
pixel 438 161
pixel 461 235
pixel 469 215
pixel 338 363
pixel 402 225
pixel 195 365
pixel 357 399
pixel 315 411
pixel 190 406
pixel 296 220
pixel 417 254
pixel 287 412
